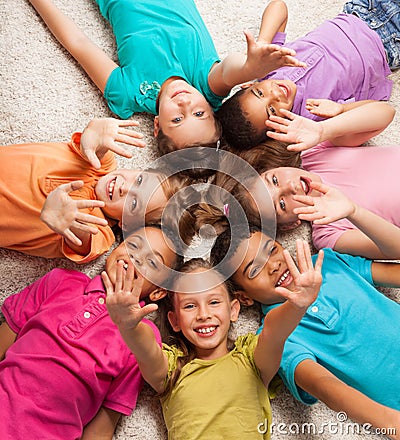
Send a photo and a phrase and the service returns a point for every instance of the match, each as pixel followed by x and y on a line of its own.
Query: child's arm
pixel 325 108
pixel 274 19
pixel 323 385
pixel 61 214
pixel 7 338
pixel 280 322
pixel 376 238
pixel 348 129
pixel 97 64
pixel 262 57
pixel 102 427
pixel 125 311
pixel 101 135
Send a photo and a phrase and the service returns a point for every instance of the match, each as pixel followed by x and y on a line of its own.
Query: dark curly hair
pixel 238 131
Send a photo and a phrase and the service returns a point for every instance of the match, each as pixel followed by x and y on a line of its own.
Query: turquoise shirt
pixel 156 39
pixel 351 329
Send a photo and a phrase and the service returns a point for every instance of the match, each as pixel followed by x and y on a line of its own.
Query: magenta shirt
pixel 346 62
pixel 367 175
pixel 68 360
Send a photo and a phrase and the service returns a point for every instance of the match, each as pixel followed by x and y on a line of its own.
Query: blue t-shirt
pixel 156 39
pixel 351 329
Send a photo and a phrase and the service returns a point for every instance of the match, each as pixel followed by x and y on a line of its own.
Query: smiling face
pixel 282 184
pixel 137 191
pixel 184 115
pixel 150 252
pixel 204 316
pixel 265 98
pixel 261 268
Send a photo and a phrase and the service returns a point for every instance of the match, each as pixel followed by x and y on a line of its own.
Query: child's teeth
pixel 283 278
pixel 206 330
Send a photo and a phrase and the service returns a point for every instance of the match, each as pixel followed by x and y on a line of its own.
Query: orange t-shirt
pixel 28 173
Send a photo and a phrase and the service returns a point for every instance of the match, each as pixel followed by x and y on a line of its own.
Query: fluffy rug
pixel 45 95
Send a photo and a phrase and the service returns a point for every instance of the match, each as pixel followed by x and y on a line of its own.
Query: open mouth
pixel 206 331
pixel 111 187
pixel 305 184
pixel 283 279
pixel 285 90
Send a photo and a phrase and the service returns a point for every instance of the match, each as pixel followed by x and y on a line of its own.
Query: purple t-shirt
pixel 367 175
pixel 68 359
pixel 346 62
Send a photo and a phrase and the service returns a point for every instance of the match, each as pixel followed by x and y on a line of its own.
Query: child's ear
pixel 157 294
pixel 156 126
pixel 289 226
pixel 246 85
pixel 235 309
pixel 244 298
pixel 173 321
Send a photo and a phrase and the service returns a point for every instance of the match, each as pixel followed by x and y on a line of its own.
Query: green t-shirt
pixel 216 399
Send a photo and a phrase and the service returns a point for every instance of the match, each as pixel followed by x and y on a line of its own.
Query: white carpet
pixel 46 96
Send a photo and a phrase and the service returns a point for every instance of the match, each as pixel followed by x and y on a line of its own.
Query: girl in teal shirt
pixel 168 65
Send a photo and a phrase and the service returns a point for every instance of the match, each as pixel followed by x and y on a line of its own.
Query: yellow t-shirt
pixel 217 399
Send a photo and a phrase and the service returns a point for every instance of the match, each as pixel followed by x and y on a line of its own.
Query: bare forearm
pixel 354 127
pixel 356 405
pixel 274 19
pixel 151 360
pixel 384 234
pixel 86 239
pixel 279 323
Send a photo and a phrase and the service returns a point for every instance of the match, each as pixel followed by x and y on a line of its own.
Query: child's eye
pixel 134 204
pixel 253 272
pixel 176 120
pixel 282 204
pixel 275 180
pixel 189 306
pixel 199 114
pixel 214 302
pixel 259 92
pixel 152 263
pixel 139 180
pixel 272 110
pixel 272 250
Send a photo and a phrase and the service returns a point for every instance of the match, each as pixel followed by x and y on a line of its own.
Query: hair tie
pixel 226 210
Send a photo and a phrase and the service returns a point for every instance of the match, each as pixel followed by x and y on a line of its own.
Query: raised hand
pixel 325 108
pixel 307 277
pixel 332 205
pixel 299 132
pixel 102 135
pixel 263 58
pixel 61 213
pixel 123 298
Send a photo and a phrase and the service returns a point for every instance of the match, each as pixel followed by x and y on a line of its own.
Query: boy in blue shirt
pixel 349 323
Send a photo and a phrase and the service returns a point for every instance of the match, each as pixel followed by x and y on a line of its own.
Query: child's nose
pixel 203 313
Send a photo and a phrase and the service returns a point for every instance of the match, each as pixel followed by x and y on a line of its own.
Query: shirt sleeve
pixel 279 38
pixel 99 244
pixel 125 388
pixel 20 307
pixel 292 356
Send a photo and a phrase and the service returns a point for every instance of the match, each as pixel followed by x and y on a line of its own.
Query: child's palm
pixel 307 277
pixel 123 298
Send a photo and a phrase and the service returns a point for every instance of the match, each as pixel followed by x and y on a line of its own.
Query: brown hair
pixel 197 162
pixel 172 338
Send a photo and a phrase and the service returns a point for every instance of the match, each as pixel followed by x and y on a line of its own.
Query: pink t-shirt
pixel 368 175
pixel 68 359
